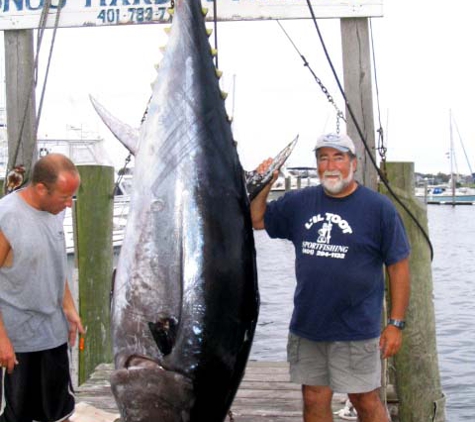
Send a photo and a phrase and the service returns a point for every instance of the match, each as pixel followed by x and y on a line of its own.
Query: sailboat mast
pixel 452 176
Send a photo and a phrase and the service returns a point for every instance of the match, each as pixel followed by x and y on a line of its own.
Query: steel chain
pixel 381 147
pixel 339 113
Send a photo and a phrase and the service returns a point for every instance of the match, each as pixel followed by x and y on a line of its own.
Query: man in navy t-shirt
pixel 344 234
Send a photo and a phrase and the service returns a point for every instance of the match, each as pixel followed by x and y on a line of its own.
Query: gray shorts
pixel 344 366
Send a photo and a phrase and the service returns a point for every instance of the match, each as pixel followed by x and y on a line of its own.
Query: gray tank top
pixel 32 289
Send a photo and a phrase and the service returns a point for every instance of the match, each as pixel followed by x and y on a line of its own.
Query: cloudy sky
pixel 422 67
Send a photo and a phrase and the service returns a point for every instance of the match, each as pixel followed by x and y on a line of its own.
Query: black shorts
pixel 39 388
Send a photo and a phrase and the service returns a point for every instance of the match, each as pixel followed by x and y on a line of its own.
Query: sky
pixel 422 67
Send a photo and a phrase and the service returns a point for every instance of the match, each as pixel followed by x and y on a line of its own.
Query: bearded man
pixel 344 235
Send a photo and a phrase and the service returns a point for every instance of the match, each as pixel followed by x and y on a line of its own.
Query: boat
pixel 446 194
pixel 450 193
pixel 291 178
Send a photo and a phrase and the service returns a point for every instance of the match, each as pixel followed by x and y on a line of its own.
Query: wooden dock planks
pixel 265 394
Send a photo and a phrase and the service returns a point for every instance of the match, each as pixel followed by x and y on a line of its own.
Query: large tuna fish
pixel 185 301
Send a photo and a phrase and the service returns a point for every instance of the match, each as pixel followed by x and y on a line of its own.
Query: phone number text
pixel 132 15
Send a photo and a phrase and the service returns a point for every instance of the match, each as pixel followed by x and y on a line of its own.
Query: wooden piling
pixel 355 43
pixel 20 99
pixel 93 218
pixel 417 369
pixel 288 183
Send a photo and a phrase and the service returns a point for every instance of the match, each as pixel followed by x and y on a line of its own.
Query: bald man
pixel 37 313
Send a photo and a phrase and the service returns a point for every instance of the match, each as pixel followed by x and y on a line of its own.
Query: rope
pixel 121 174
pixel 381 146
pixel 362 137
pixel 50 55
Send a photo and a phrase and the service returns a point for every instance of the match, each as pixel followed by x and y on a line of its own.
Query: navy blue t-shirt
pixel 340 245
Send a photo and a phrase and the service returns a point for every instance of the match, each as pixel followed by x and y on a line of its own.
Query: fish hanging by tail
pixel 185 301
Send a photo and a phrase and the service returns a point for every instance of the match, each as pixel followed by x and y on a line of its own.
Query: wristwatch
pixel 399 323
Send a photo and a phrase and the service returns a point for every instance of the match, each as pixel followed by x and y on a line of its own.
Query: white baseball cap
pixel 338 141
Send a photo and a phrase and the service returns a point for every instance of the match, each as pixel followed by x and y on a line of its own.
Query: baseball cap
pixel 338 141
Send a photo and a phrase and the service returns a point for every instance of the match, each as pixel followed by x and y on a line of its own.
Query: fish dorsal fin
pixel 127 135
pixel 164 333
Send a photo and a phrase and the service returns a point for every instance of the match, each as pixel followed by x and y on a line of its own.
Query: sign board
pixel 26 14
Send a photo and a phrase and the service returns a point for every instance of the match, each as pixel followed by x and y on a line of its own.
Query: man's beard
pixel 338 186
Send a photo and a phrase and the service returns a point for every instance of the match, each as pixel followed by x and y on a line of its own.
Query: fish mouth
pixel 146 392
pixel 137 362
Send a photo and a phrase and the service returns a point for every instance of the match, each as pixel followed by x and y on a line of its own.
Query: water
pixel 275 265
pixel 452 233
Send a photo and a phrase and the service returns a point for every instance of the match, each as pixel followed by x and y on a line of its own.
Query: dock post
pixel 417 369
pixel 288 184
pixel 20 99
pixel 92 219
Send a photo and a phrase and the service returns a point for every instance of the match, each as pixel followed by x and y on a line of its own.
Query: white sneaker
pixel 348 413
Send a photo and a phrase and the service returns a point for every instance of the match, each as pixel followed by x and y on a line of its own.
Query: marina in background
pixel 458 189
pixel 446 194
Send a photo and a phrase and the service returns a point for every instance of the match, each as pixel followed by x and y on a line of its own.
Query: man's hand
pixel 390 341
pixel 7 354
pixel 72 316
pixel 264 166
pixel 259 203
pixel 75 325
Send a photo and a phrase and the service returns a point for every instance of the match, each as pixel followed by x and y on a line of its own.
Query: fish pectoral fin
pixel 256 181
pixel 164 333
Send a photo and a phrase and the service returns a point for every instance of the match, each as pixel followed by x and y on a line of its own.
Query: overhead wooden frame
pixel 25 14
